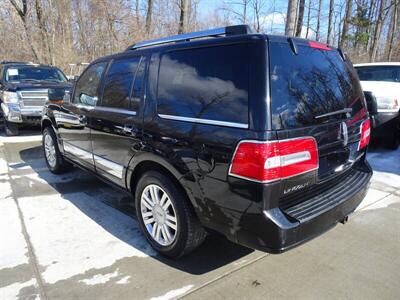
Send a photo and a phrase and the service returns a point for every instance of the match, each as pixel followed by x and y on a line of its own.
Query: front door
pixel 73 117
pixel 116 122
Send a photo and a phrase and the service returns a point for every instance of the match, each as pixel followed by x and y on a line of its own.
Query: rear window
pixel 379 73
pixel 313 83
pixel 205 83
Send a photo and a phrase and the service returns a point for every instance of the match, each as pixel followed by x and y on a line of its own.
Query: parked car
pixel 260 138
pixel 383 81
pixel 24 89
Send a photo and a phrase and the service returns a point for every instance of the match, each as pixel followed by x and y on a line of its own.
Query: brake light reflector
pixel 365 130
pixel 319 46
pixel 270 161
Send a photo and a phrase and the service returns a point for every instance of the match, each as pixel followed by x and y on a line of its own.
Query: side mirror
pixel 58 96
pixel 88 100
pixel 371 103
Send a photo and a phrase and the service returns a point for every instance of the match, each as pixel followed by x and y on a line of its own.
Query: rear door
pixel 315 93
pixel 116 122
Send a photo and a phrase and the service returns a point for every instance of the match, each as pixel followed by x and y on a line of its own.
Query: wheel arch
pixel 46 122
pixel 152 162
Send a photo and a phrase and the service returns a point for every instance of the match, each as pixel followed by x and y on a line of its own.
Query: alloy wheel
pixel 159 215
pixel 50 150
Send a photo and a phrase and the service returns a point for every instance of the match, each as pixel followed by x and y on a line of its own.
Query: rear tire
pixel 11 129
pixel 54 159
pixel 153 192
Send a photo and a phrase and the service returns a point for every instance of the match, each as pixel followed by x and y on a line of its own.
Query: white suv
pixel 383 81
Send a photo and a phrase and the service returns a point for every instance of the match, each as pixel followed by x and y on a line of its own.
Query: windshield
pixel 32 73
pixel 309 85
pixel 379 73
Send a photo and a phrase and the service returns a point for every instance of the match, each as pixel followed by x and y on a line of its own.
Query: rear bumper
pixel 280 229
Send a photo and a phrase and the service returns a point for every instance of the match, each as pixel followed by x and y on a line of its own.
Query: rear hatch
pixel 316 93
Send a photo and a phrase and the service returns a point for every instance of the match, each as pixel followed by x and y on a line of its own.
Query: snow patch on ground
pixel 20 139
pixel 174 293
pixel 54 221
pixel 100 278
pixel 124 280
pixel 3 165
pixel 13 249
pixel 12 291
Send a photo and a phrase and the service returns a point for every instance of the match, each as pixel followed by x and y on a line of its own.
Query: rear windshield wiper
pixel 337 112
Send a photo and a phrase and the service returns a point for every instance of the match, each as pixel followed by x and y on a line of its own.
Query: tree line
pixel 61 32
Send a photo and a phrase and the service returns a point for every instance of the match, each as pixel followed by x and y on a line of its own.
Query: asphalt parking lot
pixel 73 237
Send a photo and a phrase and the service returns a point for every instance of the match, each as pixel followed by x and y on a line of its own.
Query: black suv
pixel 24 89
pixel 261 138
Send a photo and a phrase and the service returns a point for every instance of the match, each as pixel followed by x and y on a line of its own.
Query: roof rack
pixel 223 31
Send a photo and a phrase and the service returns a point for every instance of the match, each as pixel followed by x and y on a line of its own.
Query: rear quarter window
pixel 209 83
pixel 310 84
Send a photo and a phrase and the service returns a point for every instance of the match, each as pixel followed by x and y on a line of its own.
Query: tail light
pixel 270 161
pixel 365 130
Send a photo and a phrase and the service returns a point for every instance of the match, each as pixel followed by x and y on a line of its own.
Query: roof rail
pixel 15 62
pixel 229 30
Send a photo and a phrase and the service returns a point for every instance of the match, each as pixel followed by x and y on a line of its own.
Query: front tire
pixel 54 160
pixel 11 129
pixel 165 216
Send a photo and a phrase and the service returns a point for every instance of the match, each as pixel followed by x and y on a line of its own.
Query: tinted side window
pixel 86 90
pixel 118 84
pixel 206 83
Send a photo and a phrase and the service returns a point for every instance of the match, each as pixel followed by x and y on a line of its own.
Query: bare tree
pixel 291 18
pixel 239 8
pixel 392 29
pixel 308 18
pixel 148 16
pixel 318 33
pixel 23 14
pixel 300 17
pixel 346 23
pixel 378 31
pixel 183 18
pixel 43 32
pixel 330 21
pixel 258 7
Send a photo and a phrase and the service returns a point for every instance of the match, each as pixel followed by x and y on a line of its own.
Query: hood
pixel 382 88
pixel 18 86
